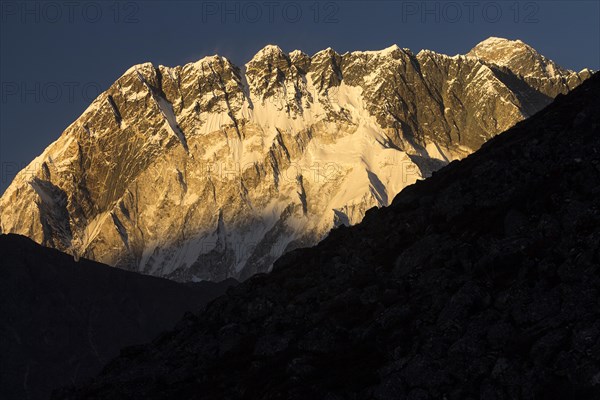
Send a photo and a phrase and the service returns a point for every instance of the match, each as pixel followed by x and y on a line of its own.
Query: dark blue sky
pixel 56 56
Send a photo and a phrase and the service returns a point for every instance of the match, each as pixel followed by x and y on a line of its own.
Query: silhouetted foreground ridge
pixel 480 282
pixel 61 320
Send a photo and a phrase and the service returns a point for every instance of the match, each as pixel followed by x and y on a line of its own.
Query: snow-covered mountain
pixel 207 171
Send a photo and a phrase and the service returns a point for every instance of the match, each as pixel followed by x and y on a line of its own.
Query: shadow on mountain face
pixel 480 282
pixel 62 320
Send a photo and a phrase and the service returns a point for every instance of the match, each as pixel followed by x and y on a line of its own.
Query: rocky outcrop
pixel 479 282
pixel 278 152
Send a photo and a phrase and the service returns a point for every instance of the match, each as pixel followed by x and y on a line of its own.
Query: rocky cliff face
pixel 479 282
pixel 208 171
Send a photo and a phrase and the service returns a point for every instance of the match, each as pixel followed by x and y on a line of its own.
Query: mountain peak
pixel 213 58
pixel 270 51
pixel 500 48
pixel 388 51
pixel 297 53
pixel 516 55
pixel 138 67
pixel 325 52
pixel 495 40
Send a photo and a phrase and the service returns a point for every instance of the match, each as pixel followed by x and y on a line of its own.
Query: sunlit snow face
pixel 209 170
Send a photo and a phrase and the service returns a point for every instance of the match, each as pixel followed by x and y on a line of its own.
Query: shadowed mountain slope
pixel 61 320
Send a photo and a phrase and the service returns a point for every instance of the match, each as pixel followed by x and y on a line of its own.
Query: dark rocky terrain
pixel 479 282
pixel 61 320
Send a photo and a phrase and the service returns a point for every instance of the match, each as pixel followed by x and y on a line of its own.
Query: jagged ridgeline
pixel 208 170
